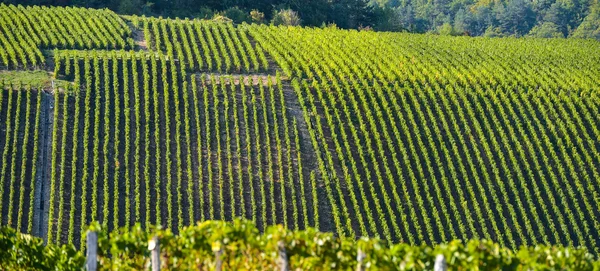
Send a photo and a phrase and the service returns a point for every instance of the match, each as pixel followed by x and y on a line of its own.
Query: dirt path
pixel 138 38
pixel 42 180
pixel 309 159
pixel 309 162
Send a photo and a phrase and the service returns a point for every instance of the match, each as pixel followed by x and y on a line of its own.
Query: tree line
pixel 545 18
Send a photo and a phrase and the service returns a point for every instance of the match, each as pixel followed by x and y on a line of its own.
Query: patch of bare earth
pixel 138 38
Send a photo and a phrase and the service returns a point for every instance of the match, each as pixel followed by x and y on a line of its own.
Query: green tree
pixel 461 22
pixel 517 17
pixel 546 30
pixel 492 32
pixel 237 15
pixel 386 19
pixel 446 30
pixel 344 13
pixel 350 13
pixel 312 12
pixel 130 7
pixel 559 15
pixel 483 18
pixel 408 19
pixel 590 27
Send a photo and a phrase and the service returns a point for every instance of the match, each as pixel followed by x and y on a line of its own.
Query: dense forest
pixel 533 18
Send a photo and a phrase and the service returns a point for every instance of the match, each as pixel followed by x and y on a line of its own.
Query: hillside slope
pixel 411 138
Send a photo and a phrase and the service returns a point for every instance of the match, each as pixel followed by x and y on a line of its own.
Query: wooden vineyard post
pixel 154 247
pixel 282 259
pixel 360 257
pixel 440 263
pixel 91 263
pixel 219 259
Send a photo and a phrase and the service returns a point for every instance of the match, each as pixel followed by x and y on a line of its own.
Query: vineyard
pixel 409 138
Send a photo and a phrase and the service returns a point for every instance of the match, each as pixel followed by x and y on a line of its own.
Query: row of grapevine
pixel 412 138
pixel 389 57
pixel 17 49
pixel 24 31
pixel 382 110
pixel 68 27
pixel 203 45
pixel 507 198
pixel 173 156
pixel 19 146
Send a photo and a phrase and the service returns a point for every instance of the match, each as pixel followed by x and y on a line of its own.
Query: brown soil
pixel 138 38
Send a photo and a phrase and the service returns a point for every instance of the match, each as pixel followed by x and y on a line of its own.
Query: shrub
pixel 221 19
pixel 25 252
pixel 257 16
pixel 286 17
